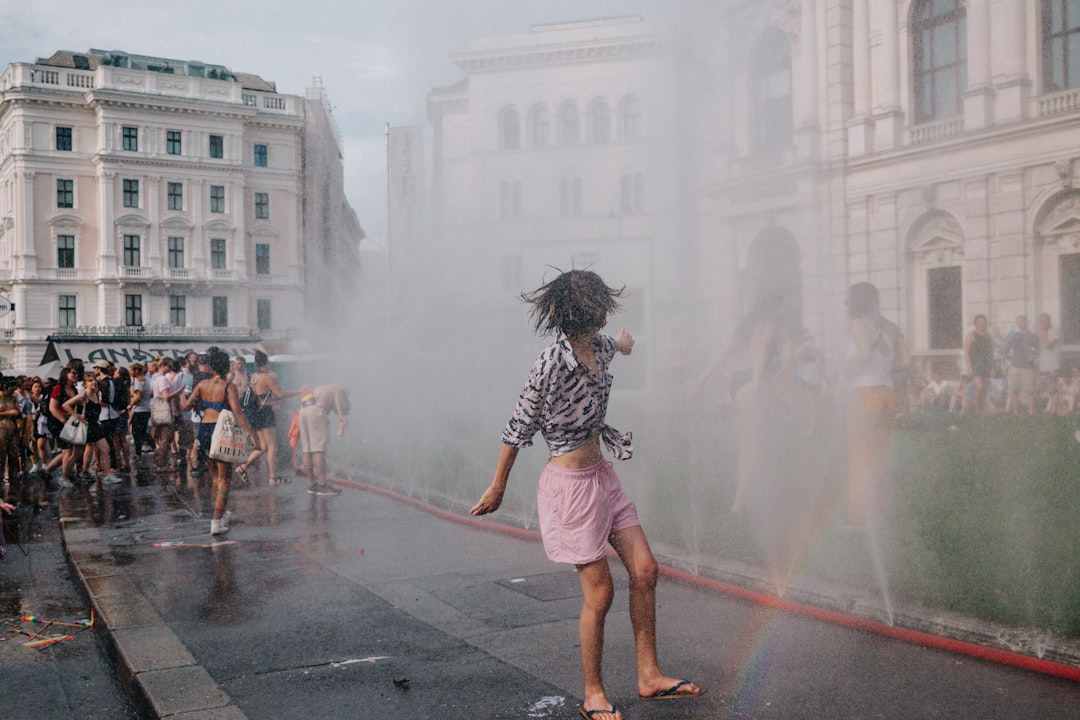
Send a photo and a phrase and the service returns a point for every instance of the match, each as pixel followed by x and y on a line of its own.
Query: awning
pixel 127 352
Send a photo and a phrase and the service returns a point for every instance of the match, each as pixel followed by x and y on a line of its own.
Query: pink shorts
pixel 579 511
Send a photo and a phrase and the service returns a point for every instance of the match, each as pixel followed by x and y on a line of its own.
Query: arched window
pixel 510 129
pixel 939 52
pixel 629 118
pixel 773 267
pixel 600 121
pixel 1057 264
pixel 539 126
pixel 569 124
pixel 770 94
pixel 1061 45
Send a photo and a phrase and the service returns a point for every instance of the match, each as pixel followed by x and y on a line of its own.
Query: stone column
pixel 978 98
pixel 107 265
pixel 860 128
pixel 1012 82
pixel 153 203
pixel 806 119
pixel 28 246
pixel 888 115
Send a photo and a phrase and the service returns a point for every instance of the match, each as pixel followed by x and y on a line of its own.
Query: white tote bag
pixel 74 431
pixel 229 442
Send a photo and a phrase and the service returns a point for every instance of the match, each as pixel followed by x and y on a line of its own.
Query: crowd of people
pixel 1019 372
pixel 165 409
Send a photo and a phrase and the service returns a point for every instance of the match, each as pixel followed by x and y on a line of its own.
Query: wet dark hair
pixel 261 359
pixel 576 302
pixel 218 360
pixel 863 300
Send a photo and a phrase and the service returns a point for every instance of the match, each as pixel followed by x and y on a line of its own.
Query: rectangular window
pixel 262 314
pixel 221 311
pixel 1061 45
pixel 172 142
pixel 67 311
pixel 262 259
pixel 133 310
pixel 261 156
pixel 131 138
pixel 217 253
pixel 65 251
pixel 63 138
pixel 945 308
pixel 217 198
pixel 217 146
pixel 262 206
pixel 65 193
pixel 176 253
pixel 176 195
pixel 131 193
pixel 1070 298
pixel 177 310
pixel 132 251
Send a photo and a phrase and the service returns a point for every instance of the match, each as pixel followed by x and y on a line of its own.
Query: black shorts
pixel 262 418
pixel 55 426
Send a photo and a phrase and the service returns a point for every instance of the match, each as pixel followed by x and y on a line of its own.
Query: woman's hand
pixel 7 507
pixel 624 342
pixel 489 501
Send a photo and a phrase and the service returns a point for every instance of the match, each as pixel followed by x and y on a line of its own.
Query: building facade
pixel 566 146
pixel 148 196
pixel 928 146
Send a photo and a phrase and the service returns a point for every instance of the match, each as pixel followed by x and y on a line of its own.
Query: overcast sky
pixel 377 58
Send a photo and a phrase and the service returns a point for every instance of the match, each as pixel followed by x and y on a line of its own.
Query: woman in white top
pixel 876 350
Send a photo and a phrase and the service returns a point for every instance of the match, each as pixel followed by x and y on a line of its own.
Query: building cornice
pixel 574 53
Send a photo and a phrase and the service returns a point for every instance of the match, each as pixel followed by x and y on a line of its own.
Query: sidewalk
pixel 363 606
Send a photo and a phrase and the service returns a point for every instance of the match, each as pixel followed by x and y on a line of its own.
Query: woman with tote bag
pixel 218 397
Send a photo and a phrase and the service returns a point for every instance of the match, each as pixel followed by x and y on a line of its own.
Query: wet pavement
pixel 364 606
pixel 73 678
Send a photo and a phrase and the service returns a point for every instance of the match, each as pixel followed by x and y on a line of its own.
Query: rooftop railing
pixel 147 82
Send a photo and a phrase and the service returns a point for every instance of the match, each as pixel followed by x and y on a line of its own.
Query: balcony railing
pixel 931 131
pixel 181 273
pixel 1068 101
pixel 135 271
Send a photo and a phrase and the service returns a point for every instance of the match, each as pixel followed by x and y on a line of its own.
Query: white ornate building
pixel 145 200
pixel 929 146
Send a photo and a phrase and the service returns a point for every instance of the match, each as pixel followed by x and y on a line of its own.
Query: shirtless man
pixel 315 407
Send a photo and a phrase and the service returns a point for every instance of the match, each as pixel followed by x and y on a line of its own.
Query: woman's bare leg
pixel 633 549
pixel 598 590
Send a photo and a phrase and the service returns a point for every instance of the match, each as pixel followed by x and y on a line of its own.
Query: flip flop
pixel 673 693
pixel 589 714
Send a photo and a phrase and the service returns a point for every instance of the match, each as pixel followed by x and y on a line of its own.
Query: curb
pixel 153 665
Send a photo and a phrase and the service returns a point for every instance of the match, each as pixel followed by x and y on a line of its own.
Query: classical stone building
pixel 566 146
pixel 929 146
pixel 149 201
